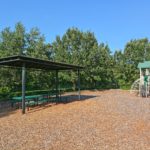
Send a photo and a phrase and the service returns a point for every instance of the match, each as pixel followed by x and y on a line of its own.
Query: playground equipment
pixel 143 83
pixel 135 87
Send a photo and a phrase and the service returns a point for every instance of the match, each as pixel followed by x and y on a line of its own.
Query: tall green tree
pixel 102 68
pixel 135 51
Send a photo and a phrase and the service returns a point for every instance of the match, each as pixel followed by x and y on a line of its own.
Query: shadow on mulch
pixel 72 98
pixel 7 112
pixel 65 99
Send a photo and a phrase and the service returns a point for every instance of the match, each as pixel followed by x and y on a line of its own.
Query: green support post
pixel 79 93
pixel 23 88
pixel 57 85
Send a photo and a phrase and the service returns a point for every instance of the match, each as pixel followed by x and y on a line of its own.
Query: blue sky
pixel 113 21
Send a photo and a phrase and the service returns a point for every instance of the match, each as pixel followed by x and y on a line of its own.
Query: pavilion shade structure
pixel 34 63
pixel 19 61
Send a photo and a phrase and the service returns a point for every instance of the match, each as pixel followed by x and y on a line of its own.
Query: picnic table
pixel 32 100
pixel 29 100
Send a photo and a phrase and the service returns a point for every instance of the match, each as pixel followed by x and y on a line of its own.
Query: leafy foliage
pixel 102 68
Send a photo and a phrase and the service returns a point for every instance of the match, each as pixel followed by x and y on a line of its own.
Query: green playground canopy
pixel 144 65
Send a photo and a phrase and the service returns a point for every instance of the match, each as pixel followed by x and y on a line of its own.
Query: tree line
pixel 103 69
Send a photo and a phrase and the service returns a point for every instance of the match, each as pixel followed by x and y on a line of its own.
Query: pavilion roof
pixel 29 62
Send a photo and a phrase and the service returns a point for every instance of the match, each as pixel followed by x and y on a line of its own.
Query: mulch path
pixel 111 120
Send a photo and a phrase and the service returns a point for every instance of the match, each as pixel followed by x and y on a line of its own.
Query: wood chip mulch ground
pixel 105 120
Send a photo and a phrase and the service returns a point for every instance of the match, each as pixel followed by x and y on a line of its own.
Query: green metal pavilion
pixel 28 62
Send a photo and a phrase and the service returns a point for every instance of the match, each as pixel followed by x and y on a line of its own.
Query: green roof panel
pixel 144 65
